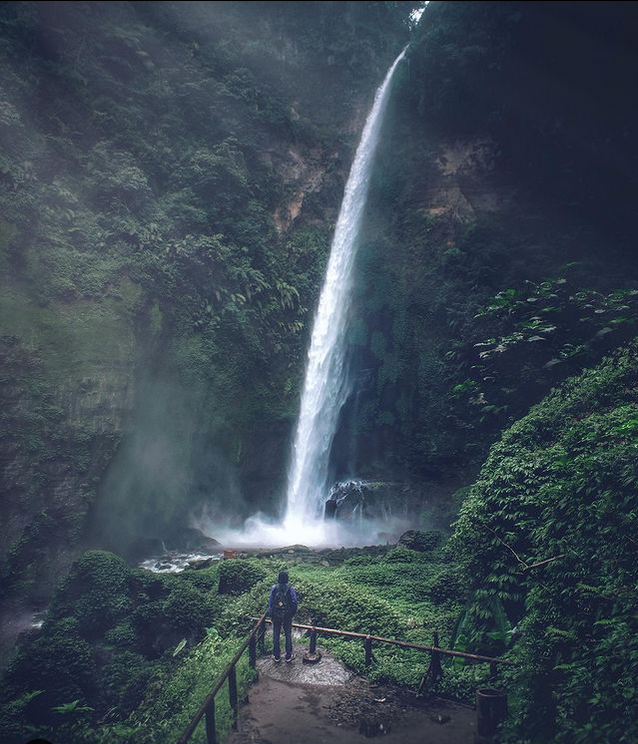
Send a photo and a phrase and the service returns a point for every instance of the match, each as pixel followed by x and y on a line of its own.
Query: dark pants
pixel 277 624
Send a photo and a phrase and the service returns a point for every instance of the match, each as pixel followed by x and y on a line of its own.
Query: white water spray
pixel 325 385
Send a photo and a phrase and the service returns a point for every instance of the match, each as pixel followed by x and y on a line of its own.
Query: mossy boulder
pixel 95 593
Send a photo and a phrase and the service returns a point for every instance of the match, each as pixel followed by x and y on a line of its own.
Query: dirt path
pixel 299 704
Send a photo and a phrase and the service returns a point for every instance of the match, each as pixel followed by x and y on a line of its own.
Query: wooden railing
pixel 256 636
pixel 434 671
pixel 207 708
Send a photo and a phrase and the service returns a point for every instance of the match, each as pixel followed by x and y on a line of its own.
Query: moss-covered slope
pixel 549 529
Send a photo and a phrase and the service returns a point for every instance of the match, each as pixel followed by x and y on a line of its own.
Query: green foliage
pixel 239 575
pixel 548 532
pixel 122 636
pixel 186 609
pixel 95 593
pixel 112 634
pixel 449 586
pixel 168 708
pixel 533 337
pixel 61 664
pixel 125 679
pixel 402 554
pixel 71 708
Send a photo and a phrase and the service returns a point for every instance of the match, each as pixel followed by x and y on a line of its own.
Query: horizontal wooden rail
pixel 401 644
pixel 207 708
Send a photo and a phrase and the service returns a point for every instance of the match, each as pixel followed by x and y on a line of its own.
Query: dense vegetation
pixel 121 654
pixel 549 528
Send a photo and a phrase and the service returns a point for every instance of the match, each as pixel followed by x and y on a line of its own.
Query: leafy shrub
pixel 360 560
pixel 450 585
pixel 187 610
pixel 206 579
pixel 402 554
pixel 239 575
pixel 95 593
pixel 122 635
pixel 124 681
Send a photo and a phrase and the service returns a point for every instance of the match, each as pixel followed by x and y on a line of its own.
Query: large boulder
pixel 356 500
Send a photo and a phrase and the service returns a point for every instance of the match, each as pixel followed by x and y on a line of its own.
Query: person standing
pixel 282 607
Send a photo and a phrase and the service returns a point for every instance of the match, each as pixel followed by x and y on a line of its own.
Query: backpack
pixel 281 603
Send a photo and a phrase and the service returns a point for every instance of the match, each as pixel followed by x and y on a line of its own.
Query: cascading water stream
pixel 325 385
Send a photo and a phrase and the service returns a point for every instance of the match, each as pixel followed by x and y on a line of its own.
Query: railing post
pixel 313 642
pixel 261 636
pixel 367 644
pixel 493 671
pixel 252 651
pixel 491 710
pixel 232 693
pixel 434 671
pixel 211 730
pixel 435 666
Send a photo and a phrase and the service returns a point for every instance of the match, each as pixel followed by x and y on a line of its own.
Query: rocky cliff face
pixel 169 181
pixel 484 225
pixel 58 436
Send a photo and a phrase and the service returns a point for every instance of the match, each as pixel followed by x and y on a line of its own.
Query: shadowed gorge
pixel 345 289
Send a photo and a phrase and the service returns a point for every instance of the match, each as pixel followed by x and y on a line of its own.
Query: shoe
pixel 276 659
pixel 288 660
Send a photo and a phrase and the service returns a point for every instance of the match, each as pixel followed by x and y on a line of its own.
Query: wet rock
pixel 328 671
pixel 371 729
pixel 190 539
pixel 355 500
pixel 323 556
pixel 200 563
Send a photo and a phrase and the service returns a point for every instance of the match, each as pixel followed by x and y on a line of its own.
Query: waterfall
pixel 325 385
